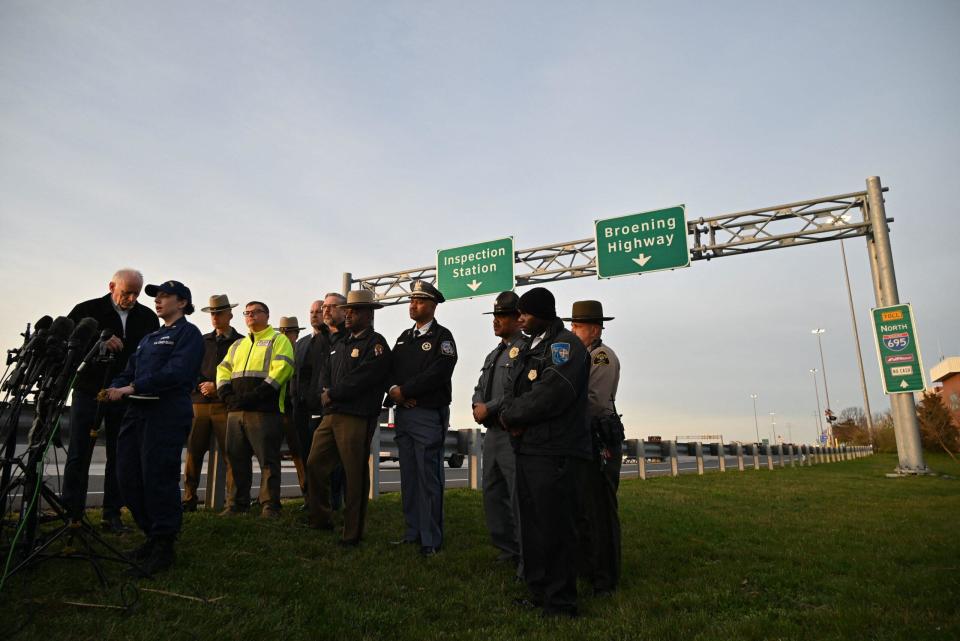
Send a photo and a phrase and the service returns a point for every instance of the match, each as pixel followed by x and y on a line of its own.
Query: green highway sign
pixel 897 350
pixel 476 270
pixel 641 243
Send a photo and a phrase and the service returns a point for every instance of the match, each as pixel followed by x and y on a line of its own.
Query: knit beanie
pixel 539 302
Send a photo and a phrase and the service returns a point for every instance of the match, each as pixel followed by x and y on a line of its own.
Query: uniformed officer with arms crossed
pixel 547 417
pixel 356 378
pixel 209 413
pixel 420 388
pixel 499 462
pixel 158 380
pixel 599 524
pixel 252 381
pixel 289 326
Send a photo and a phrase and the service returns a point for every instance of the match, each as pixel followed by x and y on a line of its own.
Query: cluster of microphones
pixel 51 356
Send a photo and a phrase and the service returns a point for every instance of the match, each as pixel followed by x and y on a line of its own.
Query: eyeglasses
pixel 251 312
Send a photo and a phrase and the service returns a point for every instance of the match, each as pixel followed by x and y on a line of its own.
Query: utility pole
pixel 905 425
pixel 856 340
pixel 756 421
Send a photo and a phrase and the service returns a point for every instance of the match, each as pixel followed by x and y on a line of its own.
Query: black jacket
pixel 424 373
pixel 315 368
pixel 140 322
pixel 357 374
pixel 214 349
pixel 549 400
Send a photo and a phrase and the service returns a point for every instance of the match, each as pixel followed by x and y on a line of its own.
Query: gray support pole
pixel 642 460
pixel 780 454
pixel 671 448
pixel 902 406
pixel 474 471
pixel 769 456
pixel 374 463
pixel 738 452
pixel 722 457
pixel 698 452
pixel 216 477
pixel 755 450
pixel 345 284
pixel 791 455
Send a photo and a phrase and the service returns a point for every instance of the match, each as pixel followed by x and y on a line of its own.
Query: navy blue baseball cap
pixel 174 287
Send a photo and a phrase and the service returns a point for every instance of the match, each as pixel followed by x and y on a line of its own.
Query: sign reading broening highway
pixel 641 243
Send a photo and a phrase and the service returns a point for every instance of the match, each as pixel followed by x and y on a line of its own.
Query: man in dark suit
pixel 129 321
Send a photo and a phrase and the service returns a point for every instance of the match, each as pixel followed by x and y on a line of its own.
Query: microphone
pixel 99 349
pixel 77 344
pixel 26 353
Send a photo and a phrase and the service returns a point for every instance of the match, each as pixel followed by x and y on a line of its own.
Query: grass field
pixel 828 552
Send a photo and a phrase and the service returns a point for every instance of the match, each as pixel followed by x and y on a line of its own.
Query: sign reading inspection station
pixel 476 270
pixel 641 243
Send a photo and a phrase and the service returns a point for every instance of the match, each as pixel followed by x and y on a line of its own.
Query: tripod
pixel 80 539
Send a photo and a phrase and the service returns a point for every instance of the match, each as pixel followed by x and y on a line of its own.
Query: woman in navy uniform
pixel 158 379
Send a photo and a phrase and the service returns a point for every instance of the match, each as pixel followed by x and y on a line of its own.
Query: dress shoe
pixel 233 511
pixel 113 524
pixel 160 558
pixel 269 513
pixel 189 506
pixel 143 551
pixel 526 604
pixel 427 551
pixel 405 542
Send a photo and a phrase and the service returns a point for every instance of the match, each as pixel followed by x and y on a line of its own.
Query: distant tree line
pixel 939 430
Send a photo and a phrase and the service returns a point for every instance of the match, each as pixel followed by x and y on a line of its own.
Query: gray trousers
pixel 420 436
pixel 254 434
pixel 500 493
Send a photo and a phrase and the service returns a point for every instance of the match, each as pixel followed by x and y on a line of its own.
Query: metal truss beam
pixel 791 225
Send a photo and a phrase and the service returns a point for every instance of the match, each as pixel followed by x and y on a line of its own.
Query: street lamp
pixel 756 421
pixel 823 366
pixel 817 394
pixel 773 428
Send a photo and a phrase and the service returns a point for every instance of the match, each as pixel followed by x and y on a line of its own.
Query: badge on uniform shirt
pixel 377 349
pixel 560 353
pixel 446 348
pixel 532 375
pixel 426 347
pixel 601 358
pixel 514 351
pixel 355 352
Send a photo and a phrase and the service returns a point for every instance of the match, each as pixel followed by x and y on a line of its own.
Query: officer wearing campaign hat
pixel 420 388
pixel 546 416
pixel 600 477
pixel 158 380
pixel 289 326
pixel 499 462
pixel 209 412
pixel 354 379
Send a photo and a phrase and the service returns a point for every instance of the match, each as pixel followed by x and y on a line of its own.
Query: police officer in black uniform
pixel 157 381
pixel 420 388
pixel 547 417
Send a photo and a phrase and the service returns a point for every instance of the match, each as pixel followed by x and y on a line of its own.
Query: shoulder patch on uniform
pixel 560 352
pixel 446 348
pixel 377 349
pixel 601 358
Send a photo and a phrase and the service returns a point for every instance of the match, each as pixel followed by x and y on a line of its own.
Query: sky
pixel 264 149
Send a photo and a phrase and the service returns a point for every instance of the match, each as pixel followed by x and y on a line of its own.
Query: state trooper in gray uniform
pixel 499 461
pixel 598 523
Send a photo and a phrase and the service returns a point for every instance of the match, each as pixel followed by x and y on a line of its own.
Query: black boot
pixel 160 558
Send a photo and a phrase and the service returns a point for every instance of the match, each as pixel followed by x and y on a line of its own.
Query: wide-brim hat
pixel 588 311
pixel 288 323
pixel 360 298
pixel 218 302
pixel 507 303
pixel 423 289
